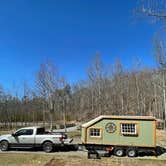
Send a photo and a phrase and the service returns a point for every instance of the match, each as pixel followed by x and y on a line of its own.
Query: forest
pixel 108 88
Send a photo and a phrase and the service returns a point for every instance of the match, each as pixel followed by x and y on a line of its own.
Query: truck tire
pixel 131 152
pixel 4 145
pixel 47 146
pixel 119 152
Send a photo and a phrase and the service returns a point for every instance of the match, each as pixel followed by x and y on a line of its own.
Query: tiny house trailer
pixel 122 135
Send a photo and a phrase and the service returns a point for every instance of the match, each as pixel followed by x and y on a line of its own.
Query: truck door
pixel 24 138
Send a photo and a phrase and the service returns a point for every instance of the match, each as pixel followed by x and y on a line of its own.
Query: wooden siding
pixel 146 133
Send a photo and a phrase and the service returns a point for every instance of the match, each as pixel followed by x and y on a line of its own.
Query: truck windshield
pixel 40 131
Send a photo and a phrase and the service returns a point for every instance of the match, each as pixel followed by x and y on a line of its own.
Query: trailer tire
pixel 119 152
pixel 131 152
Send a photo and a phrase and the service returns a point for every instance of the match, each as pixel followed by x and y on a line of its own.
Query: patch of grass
pixel 23 159
pixel 161 138
pixel 75 133
pixel 5 132
pixel 154 159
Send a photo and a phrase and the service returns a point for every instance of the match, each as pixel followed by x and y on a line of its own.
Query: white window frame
pixel 128 129
pixel 96 134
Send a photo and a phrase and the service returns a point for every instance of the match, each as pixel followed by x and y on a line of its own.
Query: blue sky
pixel 69 32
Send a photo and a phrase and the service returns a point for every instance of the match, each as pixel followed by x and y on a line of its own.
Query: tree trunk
pixel 164 97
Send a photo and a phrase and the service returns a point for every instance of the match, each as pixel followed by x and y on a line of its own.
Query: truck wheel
pixel 131 152
pixel 4 145
pixel 119 152
pixel 48 147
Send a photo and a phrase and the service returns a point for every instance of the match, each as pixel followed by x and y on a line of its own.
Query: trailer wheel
pixel 119 152
pixel 131 152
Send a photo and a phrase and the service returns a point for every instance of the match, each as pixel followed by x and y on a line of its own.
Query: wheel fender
pixel 47 140
pixel 4 140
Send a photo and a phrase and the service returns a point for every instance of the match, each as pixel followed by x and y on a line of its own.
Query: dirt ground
pixel 109 161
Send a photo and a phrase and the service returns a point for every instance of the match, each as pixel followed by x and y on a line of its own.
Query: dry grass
pixel 73 160
pixel 74 133
pixel 5 131
pixel 161 138
pixel 23 159
pixel 82 161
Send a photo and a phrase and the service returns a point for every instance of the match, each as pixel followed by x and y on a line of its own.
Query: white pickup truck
pixel 31 137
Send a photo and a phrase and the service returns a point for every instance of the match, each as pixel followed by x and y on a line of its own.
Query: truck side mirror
pixel 13 134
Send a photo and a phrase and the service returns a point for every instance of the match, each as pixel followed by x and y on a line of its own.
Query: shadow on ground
pixel 158 152
pixel 66 148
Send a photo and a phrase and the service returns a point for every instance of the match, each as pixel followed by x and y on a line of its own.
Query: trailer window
pixel 128 129
pixel 94 132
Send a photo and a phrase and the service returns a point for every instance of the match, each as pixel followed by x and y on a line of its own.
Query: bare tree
pixel 96 76
pixel 160 51
pixel 155 9
pixel 47 82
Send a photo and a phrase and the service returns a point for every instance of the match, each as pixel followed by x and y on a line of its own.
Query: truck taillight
pixel 61 138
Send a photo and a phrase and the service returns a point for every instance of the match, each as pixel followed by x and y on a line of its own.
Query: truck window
pixel 40 131
pixel 95 132
pixel 24 132
pixel 29 132
pixel 128 129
